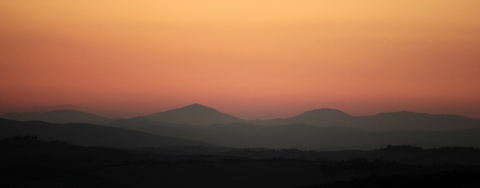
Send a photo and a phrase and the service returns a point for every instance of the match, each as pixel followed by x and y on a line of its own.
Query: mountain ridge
pixel 200 115
pixel 58 116
pixel 303 136
pixel 91 135
pixel 194 114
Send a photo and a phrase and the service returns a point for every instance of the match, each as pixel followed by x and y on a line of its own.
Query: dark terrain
pixel 197 146
pixel 27 161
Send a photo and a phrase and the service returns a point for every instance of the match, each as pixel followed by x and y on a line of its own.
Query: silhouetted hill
pixel 137 121
pixel 325 117
pixel 27 162
pixel 323 113
pixel 448 179
pixel 58 116
pixel 310 137
pixel 197 114
pixel 393 121
pixel 406 121
pixel 194 114
pixel 89 134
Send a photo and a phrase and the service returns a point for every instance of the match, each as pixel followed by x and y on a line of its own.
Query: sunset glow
pixel 250 58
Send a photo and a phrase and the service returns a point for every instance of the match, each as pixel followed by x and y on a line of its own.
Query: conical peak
pixel 326 111
pixel 197 106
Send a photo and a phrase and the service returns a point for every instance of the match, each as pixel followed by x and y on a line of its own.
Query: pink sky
pixel 252 59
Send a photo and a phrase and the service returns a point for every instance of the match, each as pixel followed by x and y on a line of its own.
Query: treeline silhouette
pixel 52 174
pixel 27 161
pixel 20 138
pixel 401 148
pixel 447 179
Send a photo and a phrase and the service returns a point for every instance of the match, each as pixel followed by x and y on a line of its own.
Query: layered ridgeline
pixel 317 129
pixel 90 135
pixel 58 116
pixel 391 121
pixel 197 114
pixel 302 136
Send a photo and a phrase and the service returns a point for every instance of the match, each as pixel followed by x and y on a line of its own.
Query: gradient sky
pixel 250 58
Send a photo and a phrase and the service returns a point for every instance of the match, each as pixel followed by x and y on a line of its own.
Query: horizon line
pixel 91 111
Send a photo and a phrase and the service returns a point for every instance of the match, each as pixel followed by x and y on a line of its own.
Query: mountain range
pixel 90 135
pixel 320 129
pixel 58 116
pixel 391 121
pixel 200 115
pixel 195 114
pixel 301 136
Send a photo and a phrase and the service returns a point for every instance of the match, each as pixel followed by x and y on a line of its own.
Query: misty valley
pixel 198 146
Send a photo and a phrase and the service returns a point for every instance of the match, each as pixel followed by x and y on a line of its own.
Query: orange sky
pixel 249 58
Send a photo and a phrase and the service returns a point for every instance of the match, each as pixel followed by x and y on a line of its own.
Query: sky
pixel 255 59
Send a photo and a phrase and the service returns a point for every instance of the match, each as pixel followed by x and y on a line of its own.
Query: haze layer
pixel 253 58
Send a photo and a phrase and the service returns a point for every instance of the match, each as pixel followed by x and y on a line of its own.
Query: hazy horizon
pixel 253 59
pixel 263 65
pixel 140 113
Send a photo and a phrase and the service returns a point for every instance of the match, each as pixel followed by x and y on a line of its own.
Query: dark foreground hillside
pixel 28 162
pixel 89 134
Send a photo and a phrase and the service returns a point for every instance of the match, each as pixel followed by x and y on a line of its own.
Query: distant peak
pixel 326 111
pixel 403 112
pixel 66 110
pixel 194 114
pixel 197 106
